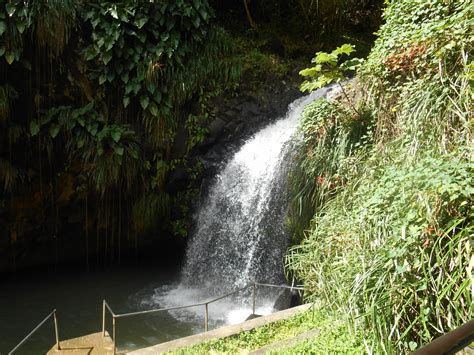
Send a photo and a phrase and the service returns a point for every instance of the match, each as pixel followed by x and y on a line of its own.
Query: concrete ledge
pixel 219 333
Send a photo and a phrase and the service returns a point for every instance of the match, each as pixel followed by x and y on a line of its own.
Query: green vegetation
pixel 328 69
pixel 332 336
pixel 293 28
pixel 94 96
pixel 91 99
pixel 386 195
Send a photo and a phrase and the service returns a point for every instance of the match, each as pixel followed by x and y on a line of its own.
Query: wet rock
pixel 238 118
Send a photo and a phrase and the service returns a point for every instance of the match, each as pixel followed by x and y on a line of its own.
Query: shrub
pixel 392 246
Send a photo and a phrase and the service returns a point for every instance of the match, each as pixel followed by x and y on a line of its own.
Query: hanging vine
pixel 98 89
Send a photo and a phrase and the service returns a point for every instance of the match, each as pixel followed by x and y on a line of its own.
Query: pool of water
pixel 25 299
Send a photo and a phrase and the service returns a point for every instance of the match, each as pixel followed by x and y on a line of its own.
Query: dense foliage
pixel 295 27
pixel 92 95
pixel 389 188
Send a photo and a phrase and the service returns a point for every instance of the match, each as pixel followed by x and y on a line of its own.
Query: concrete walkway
pixel 93 344
pixel 219 333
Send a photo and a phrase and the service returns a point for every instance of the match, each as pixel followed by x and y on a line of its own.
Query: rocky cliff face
pixel 233 120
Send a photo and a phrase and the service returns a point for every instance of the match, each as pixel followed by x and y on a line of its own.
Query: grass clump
pixel 387 200
pixel 333 334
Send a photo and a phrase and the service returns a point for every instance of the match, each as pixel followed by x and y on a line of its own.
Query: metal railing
pixel 450 343
pixel 254 285
pixel 56 332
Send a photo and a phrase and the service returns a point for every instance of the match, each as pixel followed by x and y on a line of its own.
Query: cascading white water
pixel 240 235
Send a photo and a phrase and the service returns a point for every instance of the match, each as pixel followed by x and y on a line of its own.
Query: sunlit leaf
pixel 11 8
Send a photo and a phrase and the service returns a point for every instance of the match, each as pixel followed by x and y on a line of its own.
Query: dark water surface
pixel 25 299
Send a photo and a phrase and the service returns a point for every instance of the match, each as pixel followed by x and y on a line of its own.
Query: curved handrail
pixel 450 343
pixel 52 314
pixel 149 311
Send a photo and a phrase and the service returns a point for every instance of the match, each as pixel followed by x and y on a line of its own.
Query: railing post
pixel 253 297
pixel 52 314
pixel 206 318
pixel 56 330
pixel 103 318
pixel 114 333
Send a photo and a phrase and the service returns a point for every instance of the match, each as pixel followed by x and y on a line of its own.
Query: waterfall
pixel 240 225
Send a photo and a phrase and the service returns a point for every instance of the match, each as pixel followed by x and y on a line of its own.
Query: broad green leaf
pixel 325 58
pixel 102 79
pixel 34 128
pixel 109 44
pixel 10 57
pixel 128 88
pixel 141 22
pixel 106 57
pixel 95 22
pixel 158 51
pixel 141 36
pixel 157 97
pixel 344 49
pixel 3 27
pixel 153 109
pixel 197 4
pixel 11 8
pixel 170 22
pixel 150 87
pixel 118 150
pixel 21 26
pixel 116 134
pixel 123 16
pixel 113 12
pixel 126 101
pixel 133 153
pixel 53 131
pixel 90 53
pixel 311 71
pixel 89 15
pixel 136 88
pixel 144 101
pixel 125 78
pixel 92 129
pixel 110 76
pixel 204 14
pixel 352 64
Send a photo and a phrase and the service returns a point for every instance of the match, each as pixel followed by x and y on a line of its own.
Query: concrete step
pixel 92 344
